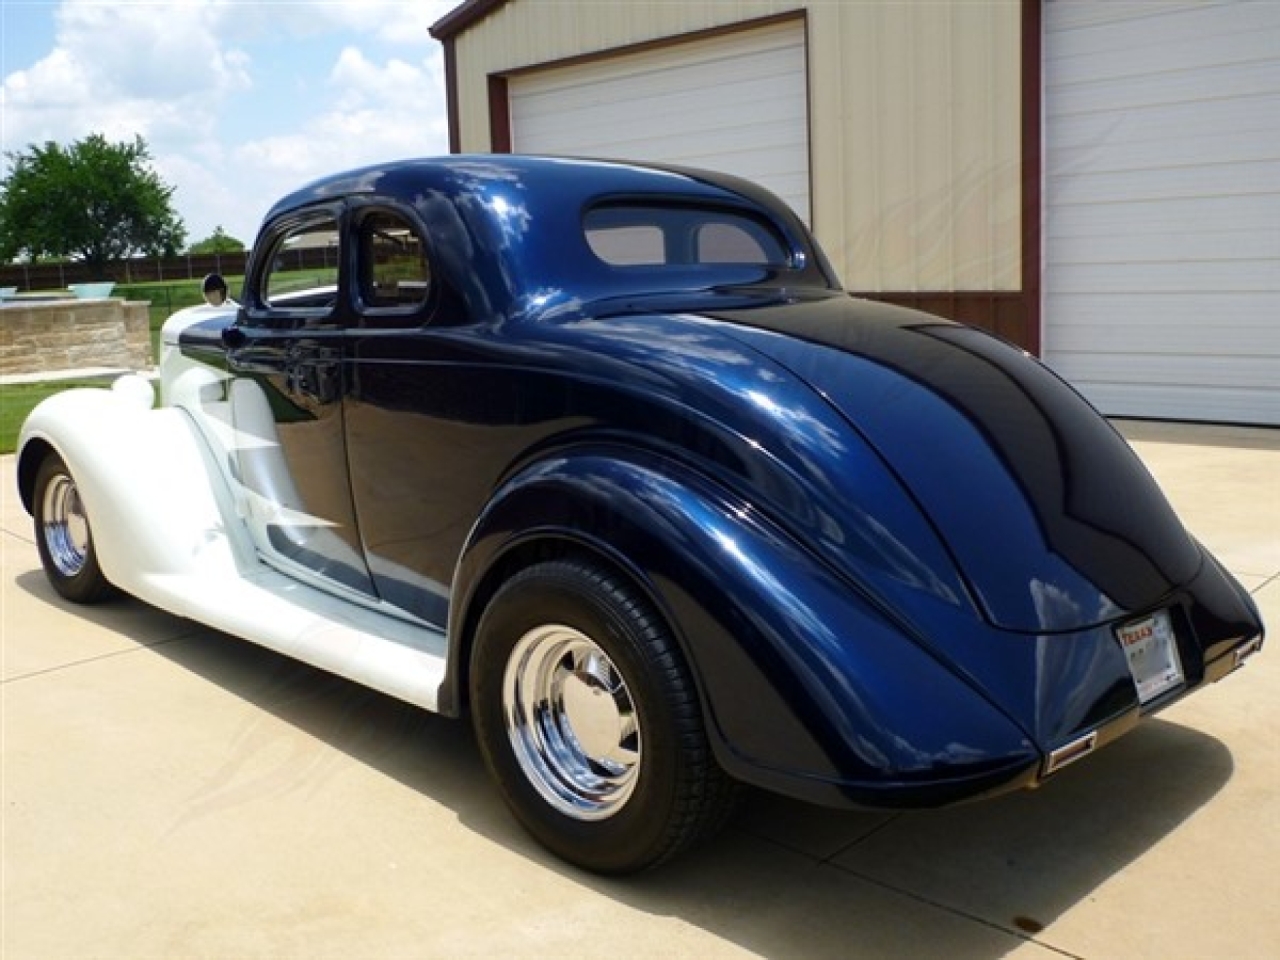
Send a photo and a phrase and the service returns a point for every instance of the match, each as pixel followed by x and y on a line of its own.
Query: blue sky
pixel 239 101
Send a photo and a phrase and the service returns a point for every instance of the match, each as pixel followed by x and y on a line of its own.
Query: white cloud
pixel 357 81
pixel 376 112
pixel 193 77
pixel 395 22
pixel 121 69
pixel 173 50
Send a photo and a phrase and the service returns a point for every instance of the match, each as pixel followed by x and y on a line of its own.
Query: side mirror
pixel 214 289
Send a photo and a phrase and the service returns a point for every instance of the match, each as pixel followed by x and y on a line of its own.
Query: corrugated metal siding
pixel 1162 243
pixel 914 148
pixel 917 143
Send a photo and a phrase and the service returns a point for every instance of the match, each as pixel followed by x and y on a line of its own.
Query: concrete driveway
pixel 173 792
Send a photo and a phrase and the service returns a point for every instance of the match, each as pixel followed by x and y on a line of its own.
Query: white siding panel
pixel 1162 206
pixel 1189 84
pixel 1212 177
pixel 1235 37
pixel 1149 277
pixel 1124 155
pixel 735 103
pixel 1182 328
pixel 1189 218
pixel 1179 312
pixel 1215 374
pixel 1156 401
pixel 1198 122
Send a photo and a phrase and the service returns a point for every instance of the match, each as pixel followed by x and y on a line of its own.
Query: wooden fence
pixel 58 276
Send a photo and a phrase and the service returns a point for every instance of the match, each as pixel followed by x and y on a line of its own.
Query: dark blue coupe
pixel 602 456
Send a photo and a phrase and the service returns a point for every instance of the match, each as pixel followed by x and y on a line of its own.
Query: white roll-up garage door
pixel 736 102
pixel 1162 206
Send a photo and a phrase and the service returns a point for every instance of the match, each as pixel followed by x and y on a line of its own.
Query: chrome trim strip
pixel 1069 753
pixel 1246 650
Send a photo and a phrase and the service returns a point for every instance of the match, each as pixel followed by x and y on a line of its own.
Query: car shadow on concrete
pixel 784 878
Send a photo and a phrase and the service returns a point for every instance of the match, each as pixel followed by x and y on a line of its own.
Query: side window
pixel 394 273
pixel 303 274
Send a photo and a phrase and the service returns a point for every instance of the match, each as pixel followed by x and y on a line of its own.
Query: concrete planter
pixel 92 291
pixel 55 335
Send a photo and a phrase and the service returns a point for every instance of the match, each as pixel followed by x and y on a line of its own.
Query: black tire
pixel 63 536
pixel 589 721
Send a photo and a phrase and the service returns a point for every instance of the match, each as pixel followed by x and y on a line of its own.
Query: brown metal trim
pixel 1032 169
pixel 1005 313
pixel 808 118
pixel 451 95
pixel 462 17
pixel 659 43
pixel 499 114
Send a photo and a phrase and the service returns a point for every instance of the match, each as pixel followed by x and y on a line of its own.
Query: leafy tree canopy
pixel 217 242
pixel 93 201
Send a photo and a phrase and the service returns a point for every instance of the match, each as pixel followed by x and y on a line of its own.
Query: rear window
pixel 657 235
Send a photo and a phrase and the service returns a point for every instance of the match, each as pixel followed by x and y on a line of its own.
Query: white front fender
pixel 157 503
pixel 166 529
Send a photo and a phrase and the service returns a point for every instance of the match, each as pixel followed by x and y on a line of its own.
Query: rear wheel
pixel 589 721
pixel 63 536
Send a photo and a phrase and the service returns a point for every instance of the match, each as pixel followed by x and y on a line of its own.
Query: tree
pixel 218 242
pixel 93 201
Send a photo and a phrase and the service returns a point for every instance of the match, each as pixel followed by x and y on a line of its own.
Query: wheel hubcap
pixel 66 529
pixel 572 722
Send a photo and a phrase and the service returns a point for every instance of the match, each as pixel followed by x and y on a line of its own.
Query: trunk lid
pixel 1052 518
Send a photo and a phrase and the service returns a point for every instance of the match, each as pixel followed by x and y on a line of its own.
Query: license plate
pixel 1152 653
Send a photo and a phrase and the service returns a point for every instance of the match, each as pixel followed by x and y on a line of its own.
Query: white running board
pixel 267 607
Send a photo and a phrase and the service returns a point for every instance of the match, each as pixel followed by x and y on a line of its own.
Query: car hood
pixel 1051 517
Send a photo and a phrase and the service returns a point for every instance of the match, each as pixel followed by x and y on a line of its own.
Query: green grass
pixel 18 399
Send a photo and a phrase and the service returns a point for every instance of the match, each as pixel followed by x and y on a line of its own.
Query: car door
pixel 285 357
pixel 405 457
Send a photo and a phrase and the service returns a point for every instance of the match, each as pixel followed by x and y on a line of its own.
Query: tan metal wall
pixel 914 113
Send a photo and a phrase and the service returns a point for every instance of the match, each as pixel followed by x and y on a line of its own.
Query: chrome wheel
pixel 572 722
pixel 63 536
pixel 589 721
pixel 64 528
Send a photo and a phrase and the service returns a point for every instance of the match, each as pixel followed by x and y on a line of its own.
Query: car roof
pixel 510 226
pixel 559 179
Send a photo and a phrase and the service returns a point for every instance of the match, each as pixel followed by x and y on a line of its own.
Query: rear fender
pixel 808 686
pixel 156 501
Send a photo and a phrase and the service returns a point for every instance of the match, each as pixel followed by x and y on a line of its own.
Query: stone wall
pixel 39 336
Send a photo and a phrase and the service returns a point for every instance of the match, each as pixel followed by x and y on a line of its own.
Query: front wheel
pixel 63 536
pixel 589 722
